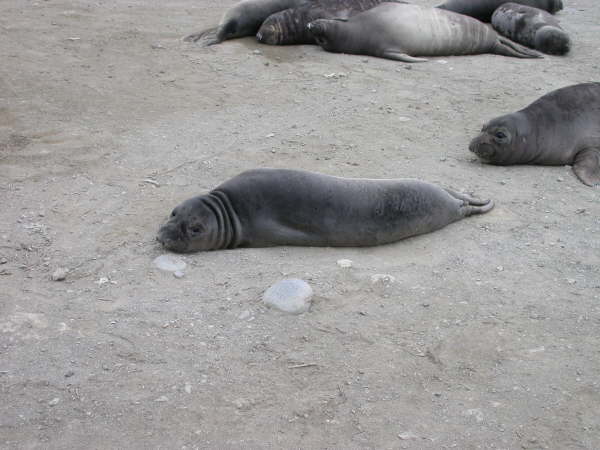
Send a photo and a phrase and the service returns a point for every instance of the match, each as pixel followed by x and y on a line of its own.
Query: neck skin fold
pixel 229 230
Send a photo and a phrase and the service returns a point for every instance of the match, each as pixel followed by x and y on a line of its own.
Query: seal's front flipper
pixel 208 37
pixel 389 54
pixel 587 166
pixel 506 47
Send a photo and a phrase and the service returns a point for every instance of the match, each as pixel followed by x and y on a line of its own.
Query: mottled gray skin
pixel 483 9
pixel 243 19
pixel 531 27
pixel 289 27
pixel 402 31
pixel 269 207
pixel 562 127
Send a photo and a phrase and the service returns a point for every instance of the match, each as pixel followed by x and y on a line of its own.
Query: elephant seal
pixel 561 127
pixel 243 19
pixel 269 207
pixel 289 27
pixel 532 27
pixel 403 31
pixel 483 9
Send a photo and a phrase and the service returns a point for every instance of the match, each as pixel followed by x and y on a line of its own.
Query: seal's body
pixel 483 9
pixel 532 27
pixel 289 27
pixel 562 127
pixel 269 207
pixel 243 19
pixel 402 32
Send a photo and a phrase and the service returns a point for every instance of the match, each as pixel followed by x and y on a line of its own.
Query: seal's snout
pixel 482 149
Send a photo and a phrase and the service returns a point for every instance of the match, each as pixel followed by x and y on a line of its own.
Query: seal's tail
pixel 207 37
pixel 506 47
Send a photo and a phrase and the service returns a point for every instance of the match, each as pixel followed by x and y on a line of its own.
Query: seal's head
pixel 192 227
pixel 271 31
pixel 499 141
pixel 321 31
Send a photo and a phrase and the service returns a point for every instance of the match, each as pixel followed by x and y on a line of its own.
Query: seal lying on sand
pixel 483 9
pixel 243 19
pixel 401 31
pixel 288 27
pixel 531 27
pixel 562 127
pixel 268 207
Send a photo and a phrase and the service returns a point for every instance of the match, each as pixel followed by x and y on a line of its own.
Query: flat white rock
pixel 170 263
pixel 290 295
pixel 344 263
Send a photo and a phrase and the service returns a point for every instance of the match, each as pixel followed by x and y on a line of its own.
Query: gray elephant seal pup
pixel 401 32
pixel 531 27
pixel 483 9
pixel 289 27
pixel 562 127
pixel 268 207
pixel 243 19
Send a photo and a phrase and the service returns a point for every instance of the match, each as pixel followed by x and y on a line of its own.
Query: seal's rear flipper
pixel 389 54
pixel 468 209
pixel 507 47
pixel 587 166
pixel 467 198
pixel 208 37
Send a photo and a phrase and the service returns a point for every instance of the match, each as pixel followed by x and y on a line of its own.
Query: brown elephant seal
pixel 269 207
pixel 483 9
pixel 532 27
pixel 562 127
pixel 289 27
pixel 243 19
pixel 402 32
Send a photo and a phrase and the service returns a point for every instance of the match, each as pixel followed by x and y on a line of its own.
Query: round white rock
pixel 292 295
pixel 170 263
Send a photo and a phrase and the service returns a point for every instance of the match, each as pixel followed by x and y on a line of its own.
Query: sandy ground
pixel 488 338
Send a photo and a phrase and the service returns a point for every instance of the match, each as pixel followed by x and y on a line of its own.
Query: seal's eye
pixel 196 229
pixel 173 214
pixel 500 134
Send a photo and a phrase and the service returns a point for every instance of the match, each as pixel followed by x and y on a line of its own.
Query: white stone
pixel 345 263
pixel 290 295
pixel 170 263
pixel 59 274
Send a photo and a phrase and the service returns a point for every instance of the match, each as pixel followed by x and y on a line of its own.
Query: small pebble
pixel 257 52
pixel 407 435
pixel 344 263
pixel 291 295
pixel 54 401
pixel 244 315
pixel 59 274
pixel 162 398
pixel 571 281
pixel 69 374
pixel 187 388
pixel 382 278
pixel 499 268
pixel 170 263
pixel 178 274
pixel 4 260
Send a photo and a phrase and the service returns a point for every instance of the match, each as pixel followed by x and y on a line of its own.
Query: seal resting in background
pixel 531 27
pixel 288 27
pixel 562 127
pixel 402 31
pixel 243 19
pixel 268 207
pixel 483 9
